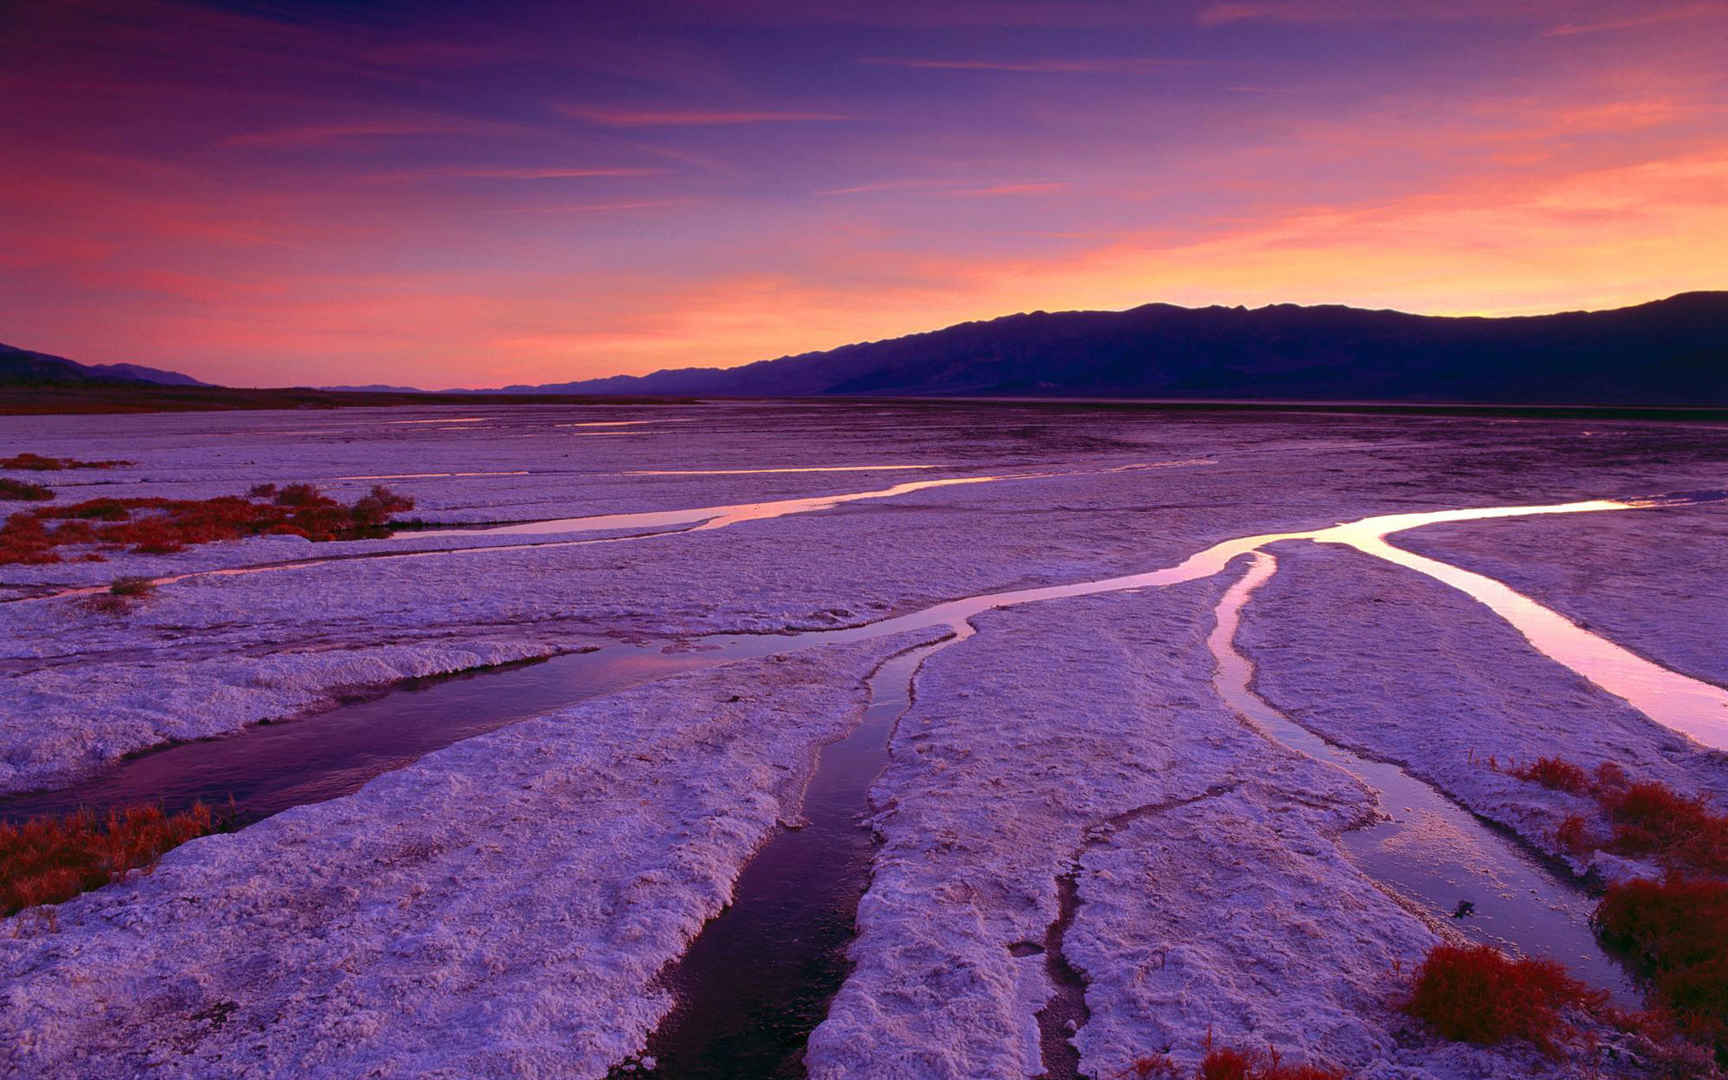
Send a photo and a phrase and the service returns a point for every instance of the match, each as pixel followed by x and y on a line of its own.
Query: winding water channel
pixel 759 976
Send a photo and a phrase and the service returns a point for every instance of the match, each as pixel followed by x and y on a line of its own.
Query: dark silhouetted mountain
pixel 140 373
pixel 24 367
pixel 377 388
pixel 1669 352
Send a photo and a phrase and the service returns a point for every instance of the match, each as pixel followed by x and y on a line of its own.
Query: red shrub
pixel 1676 932
pixel 23 491
pixel 1573 835
pixel 1652 819
pixel 300 495
pixel 48 860
pixel 1556 775
pixel 164 526
pixel 24 539
pixel 1610 775
pixel 1225 1063
pixel 1479 994
pixel 38 463
pixel 375 509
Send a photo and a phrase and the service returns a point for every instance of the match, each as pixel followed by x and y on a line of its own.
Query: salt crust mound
pixel 1099 493
pixel 496 909
pixel 1213 893
pixel 1651 582
pixel 146 704
pixel 1395 665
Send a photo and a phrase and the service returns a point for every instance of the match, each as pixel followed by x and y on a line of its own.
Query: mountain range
pixel 1668 352
pixel 25 367
pixel 1671 352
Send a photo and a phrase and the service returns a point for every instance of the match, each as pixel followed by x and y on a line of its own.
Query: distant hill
pixel 1669 352
pixel 25 367
pixel 379 388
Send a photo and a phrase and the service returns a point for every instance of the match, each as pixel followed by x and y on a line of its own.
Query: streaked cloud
pixel 948 188
pixel 1102 65
pixel 318 134
pixel 243 196
pixel 607 207
pixel 1648 18
pixel 689 117
pixel 543 173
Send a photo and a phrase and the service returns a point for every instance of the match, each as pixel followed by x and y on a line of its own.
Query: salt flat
pixel 503 906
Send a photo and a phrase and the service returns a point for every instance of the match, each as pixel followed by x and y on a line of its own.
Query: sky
pixel 452 194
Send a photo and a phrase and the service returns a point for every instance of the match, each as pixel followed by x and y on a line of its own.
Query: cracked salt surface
pixel 1237 912
pixel 1430 848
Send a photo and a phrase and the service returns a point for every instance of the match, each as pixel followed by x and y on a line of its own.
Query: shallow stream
pixel 759 976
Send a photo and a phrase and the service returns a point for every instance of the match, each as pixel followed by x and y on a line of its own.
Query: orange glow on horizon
pixel 261 233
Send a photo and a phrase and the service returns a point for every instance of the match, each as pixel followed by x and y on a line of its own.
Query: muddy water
pixel 1431 850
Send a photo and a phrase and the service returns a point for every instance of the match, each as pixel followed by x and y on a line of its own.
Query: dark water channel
pixel 760 976
pixel 268 768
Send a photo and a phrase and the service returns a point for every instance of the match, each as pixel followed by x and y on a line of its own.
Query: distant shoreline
pixel 111 399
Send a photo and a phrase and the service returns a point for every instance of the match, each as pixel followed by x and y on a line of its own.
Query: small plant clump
pixel 1480 995
pixel 39 463
pixel 121 595
pixel 1650 820
pixel 1556 775
pixel 1675 932
pixel 24 491
pixel 132 586
pixel 50 860
pixel 1573 835
pixel 1226 1063
pixel 157 526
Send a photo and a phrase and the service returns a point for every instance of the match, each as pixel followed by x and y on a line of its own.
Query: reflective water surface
pixel 1432 850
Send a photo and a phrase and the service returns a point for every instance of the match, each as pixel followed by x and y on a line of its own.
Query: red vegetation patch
pixel 48 860
pixel 1652 819
pixel 38 463
pixel 165 526
pixel 1573 835
pixel 1225 1063
pixel 132 586
pixel 1675 932
pixel 24 491
pixel 1556 775
pixel 1478 994
pixel 122 595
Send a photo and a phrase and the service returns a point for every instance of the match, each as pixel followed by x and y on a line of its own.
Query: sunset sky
pixel 454 194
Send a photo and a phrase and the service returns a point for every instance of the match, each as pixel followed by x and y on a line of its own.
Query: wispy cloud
pixel 317 134
pixel 1650 18
pixel 1328 11
pixel 1219 14
pixel 607 207
pixel 543 173
pixel 1088 67
pixel 1011 189
pixel 949 187
pixel 688 117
